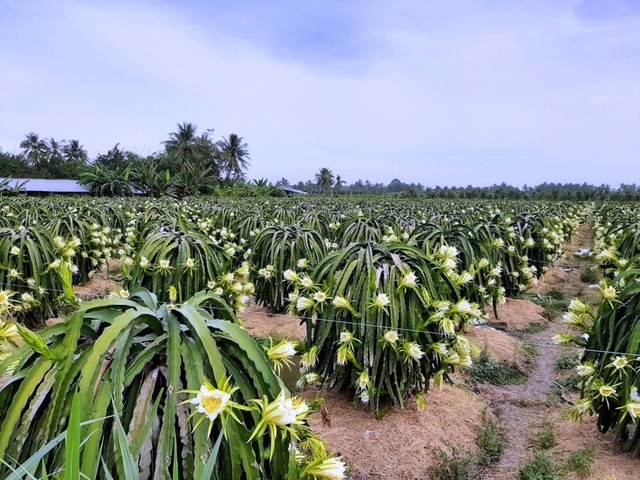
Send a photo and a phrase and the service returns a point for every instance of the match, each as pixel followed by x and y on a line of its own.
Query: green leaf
pixel 128 461
pixel 72 442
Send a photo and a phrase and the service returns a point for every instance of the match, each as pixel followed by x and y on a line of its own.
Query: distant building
pixel 292 191
pixel 44 186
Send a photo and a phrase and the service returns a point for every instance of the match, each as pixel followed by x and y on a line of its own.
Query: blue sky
pixel 441 92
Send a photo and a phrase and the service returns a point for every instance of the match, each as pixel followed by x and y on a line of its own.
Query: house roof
pixel 46 185
pixel 293 190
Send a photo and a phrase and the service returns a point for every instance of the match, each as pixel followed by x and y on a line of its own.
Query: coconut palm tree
pixel 196 157
pixel 35 150
pixel 235 157
pixel 74 158
pixel 339 183
pixel 183 147
pixel 55 160
pixel 324 179
pixel 72 151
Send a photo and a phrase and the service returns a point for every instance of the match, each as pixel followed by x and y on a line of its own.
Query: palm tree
pixel 339 183
pixel 74 152
pixel 35 150
pixel 324 179
pixel 196 156
pixel 183 147
pixel 55 159
pixel 235 156
pixel 74 159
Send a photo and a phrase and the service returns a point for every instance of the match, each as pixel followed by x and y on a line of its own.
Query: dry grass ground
pixel 262 324
pixel 499 345
pixel 101 284
pixel 516 314
pixel 403 444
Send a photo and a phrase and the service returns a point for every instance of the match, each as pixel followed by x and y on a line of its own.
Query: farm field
pixel 431 339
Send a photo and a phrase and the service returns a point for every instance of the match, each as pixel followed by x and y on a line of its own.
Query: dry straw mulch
pixel 404 443
pixel 608 458
pixel 101 284
pixel 500 346
pixel 262 324
pixel 517 314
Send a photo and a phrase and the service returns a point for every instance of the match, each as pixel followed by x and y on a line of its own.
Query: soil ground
pixel 260 323
pixel 401 444
pixel 101 284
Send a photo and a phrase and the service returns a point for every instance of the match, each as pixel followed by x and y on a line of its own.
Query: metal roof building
pixel 45 185
pixel 291 191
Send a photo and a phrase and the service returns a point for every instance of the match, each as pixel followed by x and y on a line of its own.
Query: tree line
pixel 325 182
pixel 189 163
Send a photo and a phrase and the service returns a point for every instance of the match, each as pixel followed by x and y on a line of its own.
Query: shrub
pixel 29 274
pixel 540 467
pixel 588 275
pixel 279 249
pixel 566 361
pixel 534 327
pixel 552 307
pixel 616 328
pixel 485 370
pixel 186 261
pixel 491 440
pixel 454 463
pixel 545 438
pixel 580 462
pixel 395 321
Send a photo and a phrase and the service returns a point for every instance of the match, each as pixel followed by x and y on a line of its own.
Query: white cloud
pixel 446 93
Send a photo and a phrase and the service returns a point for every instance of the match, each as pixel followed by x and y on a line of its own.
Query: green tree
pixel 13 165
pixel 324 180
pixel 52 158
pixel 339 184
pixel 54 163
pixel 196 159
pixel 235 157
pixel 35 150
pixel 116 159
pixel 74 152
pixel 149 177
pixel 183 147
pixel 74 159
pixel 396 186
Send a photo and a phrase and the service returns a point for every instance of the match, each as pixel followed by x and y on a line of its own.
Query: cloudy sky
pixel 442 92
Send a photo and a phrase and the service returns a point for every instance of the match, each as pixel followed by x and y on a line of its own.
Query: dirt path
pixel 523 409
